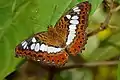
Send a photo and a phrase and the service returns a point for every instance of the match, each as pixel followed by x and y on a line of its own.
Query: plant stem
pixel 104 25
pixel 89 64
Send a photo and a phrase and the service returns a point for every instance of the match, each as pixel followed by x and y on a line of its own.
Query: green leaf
pixel 82 74
pixel 118 72
pixel 103 53
pixel 107 49
pixel 95 4
pixel 77 74
pixel 117 1
pixel 66 75
pixel 91 45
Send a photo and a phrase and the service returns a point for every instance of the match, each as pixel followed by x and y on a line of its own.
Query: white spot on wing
pixel 22 42
pixel 33 39
pixel 37 47
pixel 72 27
pixel 78 13
pixel 72 32
pixel 74 21
pixel 32 46
pixel 78 10
pixel 59 49
pixel 67 43
pixel 75 8
pixel 70 39
pixel 25 45
pixel 38 60
pixel 71 35
pixel 75 17
pixel 42 47
pixel 68 16
pixel 54 50
pixel 46 48
pixel 50 49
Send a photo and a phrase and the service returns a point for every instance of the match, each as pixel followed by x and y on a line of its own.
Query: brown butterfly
pixel 68 36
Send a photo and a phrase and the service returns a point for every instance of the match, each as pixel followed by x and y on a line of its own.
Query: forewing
pixel 35 49
pixel 72 26
pixel 77 36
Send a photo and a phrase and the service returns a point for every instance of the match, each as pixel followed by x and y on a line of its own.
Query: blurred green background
pixel 22 18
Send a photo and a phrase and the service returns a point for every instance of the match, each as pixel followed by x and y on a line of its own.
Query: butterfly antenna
pixel 52 15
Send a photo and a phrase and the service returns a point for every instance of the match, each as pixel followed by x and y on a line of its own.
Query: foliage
pixel 22 18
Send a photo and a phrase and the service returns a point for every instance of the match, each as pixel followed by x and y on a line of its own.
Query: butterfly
pixel 53 47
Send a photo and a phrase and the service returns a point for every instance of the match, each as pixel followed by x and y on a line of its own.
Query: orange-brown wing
pixel 77 27
pixel 71 27
pixel 47 47
pixel 35 49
